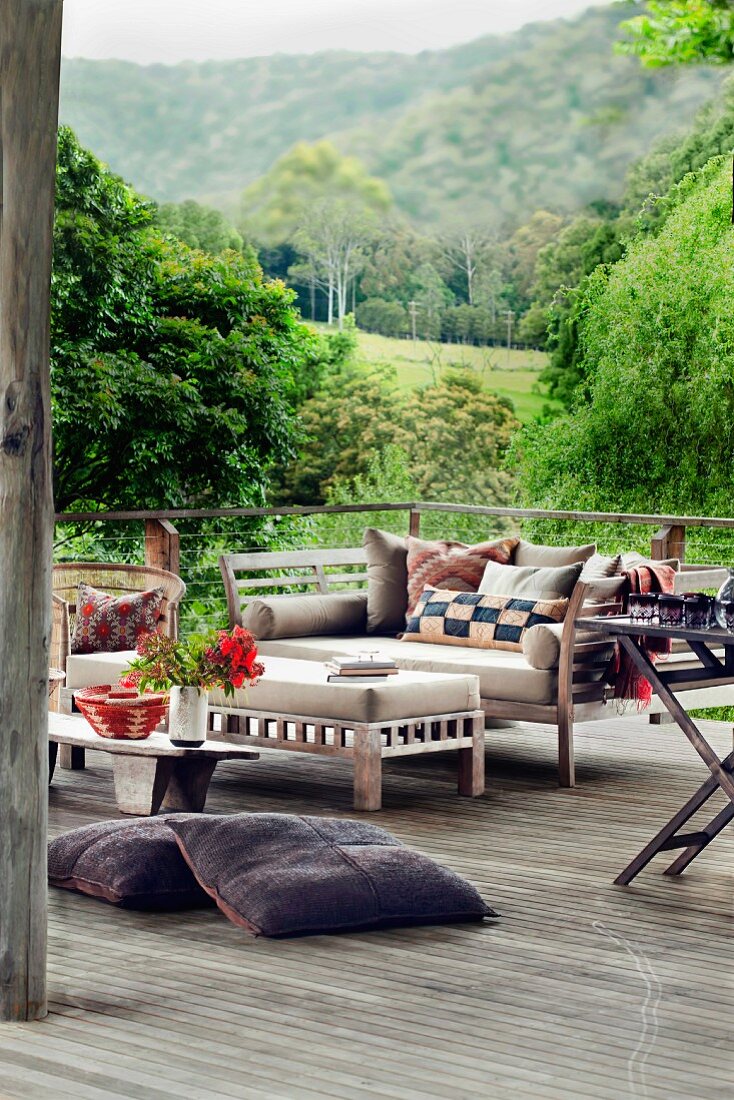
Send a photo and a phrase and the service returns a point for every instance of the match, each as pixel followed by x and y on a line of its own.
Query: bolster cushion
pixel 307 616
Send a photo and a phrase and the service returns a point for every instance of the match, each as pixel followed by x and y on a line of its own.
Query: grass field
pixel 511 374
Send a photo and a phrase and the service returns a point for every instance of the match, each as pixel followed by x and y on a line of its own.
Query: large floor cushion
pixel 90 669
pixel 132 864
pixel 300 687
pixel 502 674
pixel 283 875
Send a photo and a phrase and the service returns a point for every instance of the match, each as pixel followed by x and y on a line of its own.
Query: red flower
pixel 250 659
pixel 226 646
pixel 238 679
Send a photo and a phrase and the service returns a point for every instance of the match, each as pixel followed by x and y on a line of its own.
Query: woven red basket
pixel 124 716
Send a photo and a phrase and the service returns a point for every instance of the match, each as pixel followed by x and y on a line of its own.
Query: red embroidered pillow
pixel 451 565
pixel 108 624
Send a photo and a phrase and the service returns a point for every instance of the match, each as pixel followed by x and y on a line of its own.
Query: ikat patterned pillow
pixel 451 565
pixel 109 624
pixel 444 617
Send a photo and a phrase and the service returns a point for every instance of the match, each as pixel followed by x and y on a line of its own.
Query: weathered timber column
pixel 30 44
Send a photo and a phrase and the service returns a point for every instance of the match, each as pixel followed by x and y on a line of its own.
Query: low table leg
pixel 367 770
pixel 188 785
pixel 53 750
pixel 72 757
pixel 141 783
pixel 471 762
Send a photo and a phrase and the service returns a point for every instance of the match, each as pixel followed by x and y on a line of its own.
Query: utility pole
pixel 510 314
pixel 413 310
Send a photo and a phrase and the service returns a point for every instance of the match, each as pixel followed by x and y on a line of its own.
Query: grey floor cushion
pixel 133 864
pixel 285 875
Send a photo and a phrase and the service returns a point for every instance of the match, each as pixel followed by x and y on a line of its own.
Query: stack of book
pixel 361 669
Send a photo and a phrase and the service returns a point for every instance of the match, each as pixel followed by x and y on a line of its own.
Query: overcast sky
pixel 176 30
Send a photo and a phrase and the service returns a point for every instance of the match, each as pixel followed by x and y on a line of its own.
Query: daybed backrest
pixel 318 571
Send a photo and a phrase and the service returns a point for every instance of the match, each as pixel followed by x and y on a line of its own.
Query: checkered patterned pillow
pixel 482 622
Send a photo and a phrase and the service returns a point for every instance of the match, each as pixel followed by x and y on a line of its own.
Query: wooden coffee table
pixel 342 719
pixel 151 774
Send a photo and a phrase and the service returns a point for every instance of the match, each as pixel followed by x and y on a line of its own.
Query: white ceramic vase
pixel 187 717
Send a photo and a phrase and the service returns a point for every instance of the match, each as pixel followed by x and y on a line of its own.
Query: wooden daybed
pixel 577 688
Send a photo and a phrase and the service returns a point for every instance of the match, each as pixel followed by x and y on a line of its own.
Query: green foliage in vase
pixel 172 370
pixel 656 433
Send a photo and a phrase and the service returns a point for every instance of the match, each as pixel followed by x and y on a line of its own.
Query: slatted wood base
pixel 365 744
pixel 582 990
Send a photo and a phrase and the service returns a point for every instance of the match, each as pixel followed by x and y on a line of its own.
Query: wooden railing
pixel 163 549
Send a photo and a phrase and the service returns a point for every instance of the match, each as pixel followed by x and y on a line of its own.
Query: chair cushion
pixel 288 616
pixel 90 669
pixel 133 864
pixel 475 620
pixel 282 875
pixel 387 584
pixel 530 581
pixel 108 624
pixel 529 553
pixel 451 565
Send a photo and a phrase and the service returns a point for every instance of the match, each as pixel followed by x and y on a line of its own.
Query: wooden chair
pixel 117 580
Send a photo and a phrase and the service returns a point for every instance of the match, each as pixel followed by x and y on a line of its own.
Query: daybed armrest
pixel 598 597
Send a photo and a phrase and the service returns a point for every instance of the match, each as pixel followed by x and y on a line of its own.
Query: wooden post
pixel 668 542
pixel 162 545
pixel 415 523
pixel 30 50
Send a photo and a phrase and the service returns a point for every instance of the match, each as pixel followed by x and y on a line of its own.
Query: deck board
pixel 580 990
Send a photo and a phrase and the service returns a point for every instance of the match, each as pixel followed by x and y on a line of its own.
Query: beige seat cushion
pixel 89 669
pixel 502 674
pixel 300 687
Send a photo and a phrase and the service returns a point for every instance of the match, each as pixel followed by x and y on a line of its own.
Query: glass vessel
pixel 724 604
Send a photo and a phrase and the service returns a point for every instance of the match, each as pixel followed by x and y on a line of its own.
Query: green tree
pixel 198 226
pixel 657 334
pixel 173 371
pixel 274 207
pixel 348 420
pixel 675 32
pixel 378 315
pixel 456 435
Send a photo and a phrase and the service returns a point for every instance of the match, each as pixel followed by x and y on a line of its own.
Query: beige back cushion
pixel 387 581
pixel 530 582
pixel 599 566
pixel 307 616
pixel 528 553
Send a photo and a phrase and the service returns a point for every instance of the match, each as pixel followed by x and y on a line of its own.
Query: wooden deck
pixel 581 990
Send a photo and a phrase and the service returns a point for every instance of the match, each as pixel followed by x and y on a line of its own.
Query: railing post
pixel 162 545
pixel 415 522
pixel 669 542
